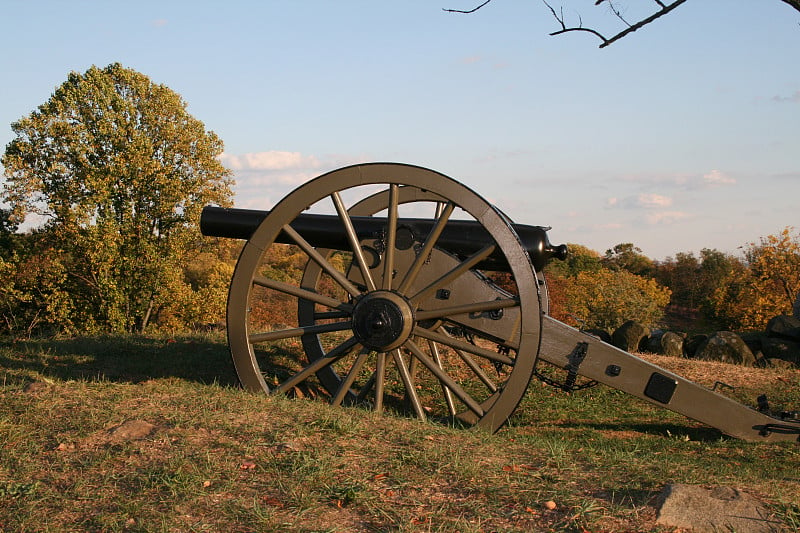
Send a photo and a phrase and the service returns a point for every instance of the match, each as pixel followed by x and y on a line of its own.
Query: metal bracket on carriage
pixel 574 360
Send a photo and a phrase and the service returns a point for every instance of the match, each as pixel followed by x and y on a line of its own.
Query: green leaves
pixel 121 171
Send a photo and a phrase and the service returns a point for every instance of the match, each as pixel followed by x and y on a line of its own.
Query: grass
pixel 222 459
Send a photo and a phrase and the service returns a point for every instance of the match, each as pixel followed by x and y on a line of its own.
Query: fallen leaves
pixel 247 465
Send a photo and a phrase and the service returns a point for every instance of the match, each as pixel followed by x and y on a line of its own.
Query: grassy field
pixel 216 458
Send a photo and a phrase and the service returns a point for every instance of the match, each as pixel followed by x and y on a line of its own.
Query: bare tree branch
pixel 618 12
pixel 630 29
pixel 794 3
pixel 564 28
pixel 644 22
pixel 473 10
pixel 664 8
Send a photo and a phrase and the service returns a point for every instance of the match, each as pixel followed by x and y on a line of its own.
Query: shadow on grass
pixel 663 429
pixel 128 358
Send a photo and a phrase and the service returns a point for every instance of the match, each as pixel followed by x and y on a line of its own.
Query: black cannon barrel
pixel 460 237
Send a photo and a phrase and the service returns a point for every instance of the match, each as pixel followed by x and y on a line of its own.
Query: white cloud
pixel 684 182
pixel 716 177
pixel 270 160
pixel 653 200
pixel 263 178
pixel 158 23
pixel 640 201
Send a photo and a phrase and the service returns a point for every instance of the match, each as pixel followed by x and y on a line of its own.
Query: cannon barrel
pixel 460 237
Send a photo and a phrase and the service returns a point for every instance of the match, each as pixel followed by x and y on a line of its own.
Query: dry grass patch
pixel 211 457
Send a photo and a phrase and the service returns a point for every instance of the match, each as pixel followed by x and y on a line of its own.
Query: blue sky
pixel 682 136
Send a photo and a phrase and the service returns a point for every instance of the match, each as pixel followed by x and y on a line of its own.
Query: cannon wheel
pixel 369 338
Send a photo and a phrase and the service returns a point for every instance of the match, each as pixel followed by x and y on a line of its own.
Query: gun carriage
pixel 399 306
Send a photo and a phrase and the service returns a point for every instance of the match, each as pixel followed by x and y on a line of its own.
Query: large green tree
pixel 118 170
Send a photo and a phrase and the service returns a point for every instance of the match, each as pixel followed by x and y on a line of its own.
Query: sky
pixel 681 136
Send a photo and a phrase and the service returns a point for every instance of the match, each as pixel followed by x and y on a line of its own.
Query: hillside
pixel 152 434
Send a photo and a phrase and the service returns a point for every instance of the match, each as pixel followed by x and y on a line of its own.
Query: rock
pixel 35 387
pixel 666 343
pixel 711 510
pixel 781 349
pixel 601 334
pixel 726 347
pixel 131 430
pixel 784 327
pixel 691 344
pixel 629 335
pixel 753 340
pixel 775 363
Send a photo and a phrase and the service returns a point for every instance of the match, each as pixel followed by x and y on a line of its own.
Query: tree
pixel 626 256
pixel 119 171
pixel 765 287
pixel 606 299
pixel 617 10
pixel 579 259
pixel 694 281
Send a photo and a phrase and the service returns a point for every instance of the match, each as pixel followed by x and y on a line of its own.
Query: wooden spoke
pixel 391 238
pixel 475 367
pixel 462 345
pixel 408 382
pixel 321 261
pixel 297 332
pixel 380 378
pixel 347 382
pixel 456 271
pixel 448 396
pixel 304 294
pixel 353 239
pixel 477 307
pixel 430 242
pixel 445 379
pixel 332 356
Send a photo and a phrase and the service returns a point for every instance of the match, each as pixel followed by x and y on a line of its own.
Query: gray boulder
pixel 691 344
pixel 780 349
pixel 601 334
pixel 784 327
pixel 753 340
pixel 666 343
pixel 775 363
pixel 726 347
pixel 710 510
pixel 629 335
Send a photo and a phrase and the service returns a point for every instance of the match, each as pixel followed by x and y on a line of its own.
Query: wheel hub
pixel 382 320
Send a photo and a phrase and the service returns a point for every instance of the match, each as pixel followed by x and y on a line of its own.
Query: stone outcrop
pixel 601 334
pixel 629 336
pixel 665 343
pixel 776 347
pixel 726 347
pixel 784 327
pixel 780 349
pixel 691 344
pixel 703 510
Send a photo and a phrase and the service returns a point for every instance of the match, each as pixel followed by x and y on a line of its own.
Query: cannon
pixel 419 297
